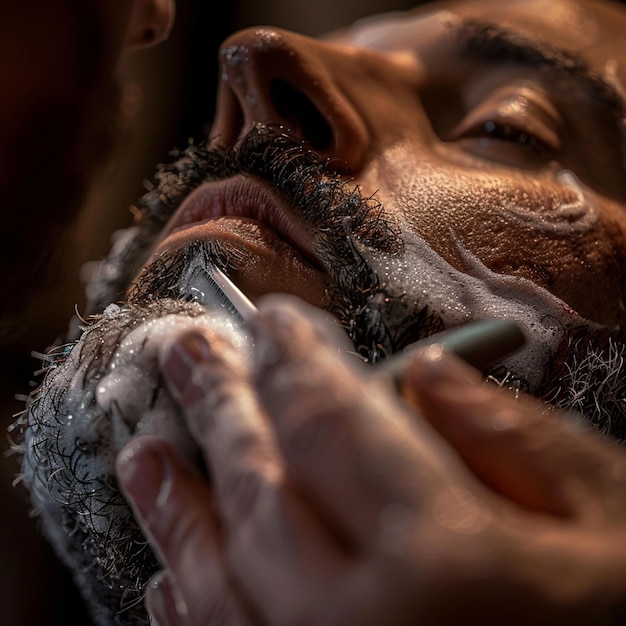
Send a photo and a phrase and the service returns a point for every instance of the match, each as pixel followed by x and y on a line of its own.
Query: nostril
pixel 301 115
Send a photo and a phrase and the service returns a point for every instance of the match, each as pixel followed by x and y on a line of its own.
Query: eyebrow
pixel 494 44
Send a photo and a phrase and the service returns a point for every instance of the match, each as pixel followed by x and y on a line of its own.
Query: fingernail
pixel 155 602
pixel 164 605
pixel 179 364
pixel 144 474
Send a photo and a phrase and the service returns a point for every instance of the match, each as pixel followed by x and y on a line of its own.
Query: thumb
pixel 518 446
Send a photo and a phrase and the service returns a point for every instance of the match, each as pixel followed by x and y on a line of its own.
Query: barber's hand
pixel 337 503
pixel 176 508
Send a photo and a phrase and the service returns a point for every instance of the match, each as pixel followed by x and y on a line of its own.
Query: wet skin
pixel 508 149
pixel 496 155
pixel 461 131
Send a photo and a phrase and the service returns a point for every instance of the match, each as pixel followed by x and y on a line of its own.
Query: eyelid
pixel 524 109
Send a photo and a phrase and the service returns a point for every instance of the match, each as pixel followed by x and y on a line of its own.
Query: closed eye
pixel 506 144
pixel 512 127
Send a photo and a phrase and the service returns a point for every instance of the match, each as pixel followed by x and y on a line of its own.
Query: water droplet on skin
pixel 235 56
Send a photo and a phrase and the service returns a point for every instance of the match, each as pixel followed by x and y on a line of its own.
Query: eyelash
pixel 507 132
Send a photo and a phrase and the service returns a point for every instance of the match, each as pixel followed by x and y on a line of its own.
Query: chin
pixel 97 395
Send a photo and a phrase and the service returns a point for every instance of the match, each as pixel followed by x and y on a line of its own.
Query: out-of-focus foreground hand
pixel 335 502
pixel 61 113
pixel 55 121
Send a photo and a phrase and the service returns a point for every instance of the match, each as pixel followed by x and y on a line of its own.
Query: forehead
pixel 592 30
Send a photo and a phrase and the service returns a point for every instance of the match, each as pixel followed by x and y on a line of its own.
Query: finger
pixel 210 380
pixel 174 506
pixel 282 553
pixel 164 603
pixel 347 440
pixel 518 446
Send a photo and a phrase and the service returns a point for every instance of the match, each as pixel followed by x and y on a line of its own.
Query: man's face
pixel 498 105
pixel 410 174
pixel 494 148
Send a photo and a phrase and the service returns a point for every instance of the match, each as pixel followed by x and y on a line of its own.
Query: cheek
pixel 585 271
pixel 548 231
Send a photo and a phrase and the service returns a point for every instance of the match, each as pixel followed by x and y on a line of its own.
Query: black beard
pixel 587 377
pixel 342 222
pixel 68 465
pixel 112 568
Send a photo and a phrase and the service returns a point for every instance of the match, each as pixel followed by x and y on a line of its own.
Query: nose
pixel 277 77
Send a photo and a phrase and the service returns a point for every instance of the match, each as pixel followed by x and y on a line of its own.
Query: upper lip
pixel 249 199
